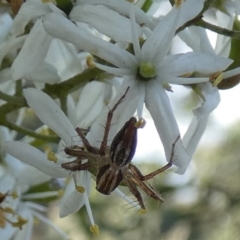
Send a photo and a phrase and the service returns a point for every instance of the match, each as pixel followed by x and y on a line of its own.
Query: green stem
pixel 217 29
pixel 11 99
pixel 29 132
pixel 63 103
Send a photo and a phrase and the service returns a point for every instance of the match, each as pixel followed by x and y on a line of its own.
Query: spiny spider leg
pixel 154 173
pixel 86 142
pixel 76 165
pixel 136 177
pixel 108 123
pixel 136 193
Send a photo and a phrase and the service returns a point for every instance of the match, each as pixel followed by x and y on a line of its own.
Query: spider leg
pixel 108 123
pixel 162 169
pixel 135 192
pixel 86 142
pixel 138 179
pixel 76 165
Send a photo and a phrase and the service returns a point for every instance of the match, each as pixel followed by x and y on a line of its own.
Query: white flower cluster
pixel 48 47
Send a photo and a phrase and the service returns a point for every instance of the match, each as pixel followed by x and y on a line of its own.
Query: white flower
pixel 17 210
pixel 148 72
pixel 209 97
pixel 77 192
pixel 110 16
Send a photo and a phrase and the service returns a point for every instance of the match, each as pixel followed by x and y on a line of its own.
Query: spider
pixel 112 165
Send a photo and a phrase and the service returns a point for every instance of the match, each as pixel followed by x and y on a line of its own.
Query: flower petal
pixel 28 11
pixel 205 63
pixel 122 7
pixel 105 21
pixel 123 112
pixel 73 200
pixel 32 53
pixel 158 104
pixel 158 44
pixel 199 121
pixel 32 156
pixel 50 114
pixel 60 27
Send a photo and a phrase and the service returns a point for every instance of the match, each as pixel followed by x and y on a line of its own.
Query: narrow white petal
pixel 28 11
pixel 124 111
pixel 13 43
pixel 30 176
pixel 122 7
pixel 200 119
pixel 32 156
pixel 60 27
pixel 71 201
pixel 197 39
pixel 50 114
pixel 159 42
pixel 26 231
pixel 106 21
pixel 91 102
pixel 32 53
pixel 117 71
pixel 188 10
pixel 205 63
pixel 182 80
pixel 135 35
pixel 158 104
pixel 231 73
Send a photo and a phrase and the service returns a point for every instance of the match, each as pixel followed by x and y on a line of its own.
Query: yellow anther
pixel 140 123
pixel 14 195
pixel 80 189
pixel 60 193
pixel 90 62
pixel 178 3
pixel 2 219
pixel 52 157
pixel 95 229
pixel 8 210
pixel 21 221
pixel 142 211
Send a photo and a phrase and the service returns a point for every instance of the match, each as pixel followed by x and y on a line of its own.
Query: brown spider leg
pixel 79 153
pixel 135 192
pixel 154 173
pixel 86 142
pixel 76 165
pixel 136 178
pixel 108 124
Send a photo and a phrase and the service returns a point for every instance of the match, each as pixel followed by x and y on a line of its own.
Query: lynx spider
pixel 112 165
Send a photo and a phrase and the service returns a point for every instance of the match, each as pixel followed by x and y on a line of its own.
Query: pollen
pixel 142 211
pixel 80 189
pixel 178 3
pixel 52 157
pixel 20 222
pixel 50 154
pixel 95 229
pixel 140 123
pixel 90 62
